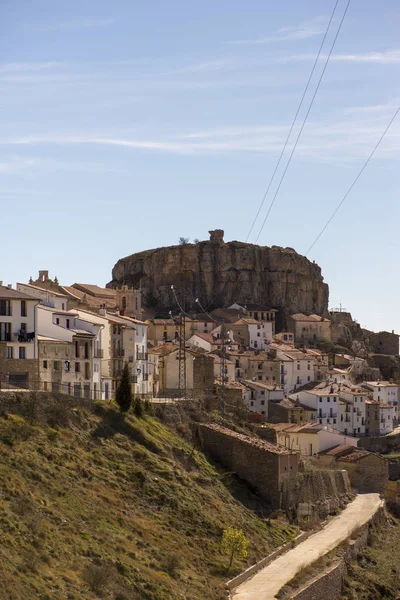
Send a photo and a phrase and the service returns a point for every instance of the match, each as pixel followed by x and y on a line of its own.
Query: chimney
pixel 1 283
pixel 103 311
pixel 10 286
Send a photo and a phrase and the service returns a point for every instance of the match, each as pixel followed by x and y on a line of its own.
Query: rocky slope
pixel 220 274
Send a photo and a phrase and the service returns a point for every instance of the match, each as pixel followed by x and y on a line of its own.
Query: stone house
pixel 383 391
pixel 290 411
pixel 384 342
pixel 368 472
pixel 229 367
pixel 69 353
pixel 18 343
pixel 308 329
pixel 380 418
pixel 199 370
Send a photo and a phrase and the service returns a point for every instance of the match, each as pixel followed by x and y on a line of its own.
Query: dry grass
pixel 104 505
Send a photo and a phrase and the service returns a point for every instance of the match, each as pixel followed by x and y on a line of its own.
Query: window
pixel 260 378
pixel 308 367
pixel 298 366
pixel 77 367
pixel 87 370
pixel 262 402
pixel 251 403
pixel 5 332
pixel 86 350
pixel 308 378
pixel 77 349
pixel 328 399
pixel 5 308
pixel 9 352
pixel 123 302
pixel 67 323
pixel 334 398
pixel 320 399
pixel 57 321
pixel 44 349
pixel 45 364
pixel 62 306
pixel 56 365
pixel 22 352
pixel 263 393
pixel 23 308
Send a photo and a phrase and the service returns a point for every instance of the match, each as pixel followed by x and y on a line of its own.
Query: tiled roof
pixel 252 441
pixel 308 318
pixel 95 290
pixel 260 384
pixel 355 456
pixel 90 300
pixel 42 289
pixel 339 450
pixel 7 293
pixel 207 337
pixel 163 349
pixel 56 311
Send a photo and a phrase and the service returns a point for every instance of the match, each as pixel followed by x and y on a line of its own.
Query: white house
pixel 258 394
pixel 74 366
pixel 380 417
pixel 311 438
pixel 44 296
pixel 384 391
pixel 299 371
pixel 325 401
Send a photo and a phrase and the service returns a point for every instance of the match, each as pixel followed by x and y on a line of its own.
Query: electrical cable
pixel 304 121
pixel 293 122
pixel 355 180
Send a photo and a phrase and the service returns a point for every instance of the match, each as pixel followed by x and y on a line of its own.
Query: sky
pixel 125 125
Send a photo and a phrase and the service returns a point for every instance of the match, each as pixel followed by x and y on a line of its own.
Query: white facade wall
pixel 388 394
pixel 386 417
pixel 17 322
pixel 327 406
pixel 260 335
pixel 46 297
pixel 199 342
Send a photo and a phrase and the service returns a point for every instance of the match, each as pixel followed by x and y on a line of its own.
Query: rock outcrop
pixel 219 274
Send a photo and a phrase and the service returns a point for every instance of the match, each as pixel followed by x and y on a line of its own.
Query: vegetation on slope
pixel 115 506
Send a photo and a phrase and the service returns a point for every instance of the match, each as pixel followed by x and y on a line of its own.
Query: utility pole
pixel 222 370
pixel 182 356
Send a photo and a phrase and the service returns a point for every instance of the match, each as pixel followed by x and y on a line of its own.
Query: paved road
pixel 266 583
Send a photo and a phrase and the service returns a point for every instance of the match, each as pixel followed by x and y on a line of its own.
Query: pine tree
pixel 123 396
pixel 138 408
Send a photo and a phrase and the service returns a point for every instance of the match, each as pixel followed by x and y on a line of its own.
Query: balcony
pixel 21 336
pixel 134 378
pixel 119 353
pixel 141 355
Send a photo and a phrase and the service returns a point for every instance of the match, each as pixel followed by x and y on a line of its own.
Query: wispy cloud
pixel 385 57
pixel 18 67
pixel 293 33
pixel 77 24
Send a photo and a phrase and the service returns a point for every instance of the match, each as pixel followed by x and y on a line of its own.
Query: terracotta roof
pixel 207 337
pixel 162 321
pixel 260 384
pixel 294 428
pixel 90 300
pixel 337 451
pixel 7 293
pixel 42 289
pixel 252 441
pixel 246 321
pixel 355 456
pixel 294 405
pixel 308 318
pixel 163 349
pixel 95 290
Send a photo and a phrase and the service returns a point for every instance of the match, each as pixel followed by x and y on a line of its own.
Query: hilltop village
pixel 321 398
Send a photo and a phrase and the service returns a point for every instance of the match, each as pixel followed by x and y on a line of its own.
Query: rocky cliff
pixel 220 274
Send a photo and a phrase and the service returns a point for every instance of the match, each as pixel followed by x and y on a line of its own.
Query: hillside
pixel 117 508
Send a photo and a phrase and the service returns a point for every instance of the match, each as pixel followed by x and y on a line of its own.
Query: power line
pixel 304 121
pixel 293 122
pixel 355 180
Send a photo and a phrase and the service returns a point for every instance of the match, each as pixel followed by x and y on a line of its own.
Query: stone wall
pixel 219 274
pixel 369 474
pixel 381 444
pixel 29 366
pixel 252 459
pixel 325 491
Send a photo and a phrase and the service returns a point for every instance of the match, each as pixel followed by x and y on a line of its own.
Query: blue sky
pixel 125 125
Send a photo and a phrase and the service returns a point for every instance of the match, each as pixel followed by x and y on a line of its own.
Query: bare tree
pixel 183 241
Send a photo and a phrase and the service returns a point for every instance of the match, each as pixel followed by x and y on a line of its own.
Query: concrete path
pixel 266 583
